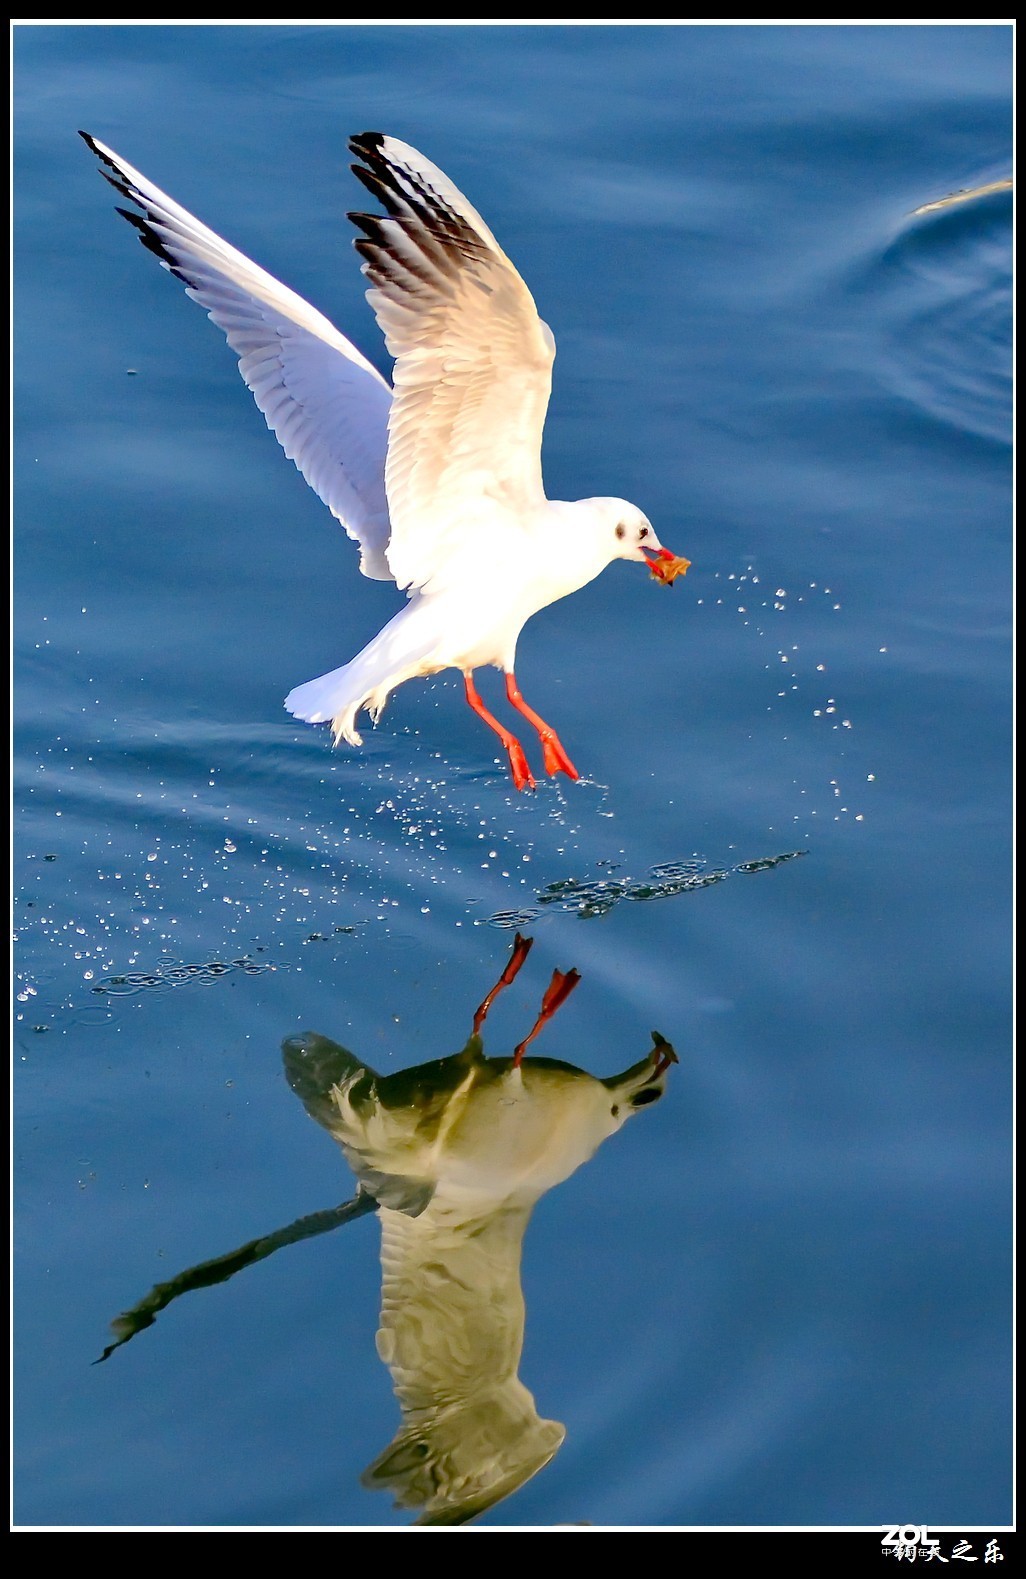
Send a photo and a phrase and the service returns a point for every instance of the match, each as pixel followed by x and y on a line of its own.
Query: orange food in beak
pixel 664 565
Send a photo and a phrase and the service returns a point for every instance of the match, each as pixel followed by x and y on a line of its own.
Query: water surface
pixel 781 1297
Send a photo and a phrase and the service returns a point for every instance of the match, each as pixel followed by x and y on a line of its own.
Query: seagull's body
pixel 456 1153
pixel 472 620
pixel 437 479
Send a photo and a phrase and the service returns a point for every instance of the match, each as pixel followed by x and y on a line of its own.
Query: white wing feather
pixel 452 1328
pixel 452 1308
pixel 325 403
pixel 473 367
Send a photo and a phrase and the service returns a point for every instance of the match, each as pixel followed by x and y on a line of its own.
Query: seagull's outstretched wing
pixel 452 1328
pixel 452 1308
pixel 473 365
pixel 325 403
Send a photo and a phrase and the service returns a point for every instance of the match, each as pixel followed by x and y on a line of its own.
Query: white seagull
pixel 437 479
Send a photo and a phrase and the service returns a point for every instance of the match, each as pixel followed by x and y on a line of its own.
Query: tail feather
pixel 407 646
pixel 337 698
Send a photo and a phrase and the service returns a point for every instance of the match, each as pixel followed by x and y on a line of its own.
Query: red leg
pixel 522 775
pixel 521 949
pixel 556 994
pixel 556 759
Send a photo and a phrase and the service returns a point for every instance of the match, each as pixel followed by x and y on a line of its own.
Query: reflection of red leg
pixel 556 759
pixel 522 776
pixel 521 949
pixel 556 994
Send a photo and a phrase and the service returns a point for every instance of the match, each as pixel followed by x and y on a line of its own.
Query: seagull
pixel 456 1153
pixel 436 478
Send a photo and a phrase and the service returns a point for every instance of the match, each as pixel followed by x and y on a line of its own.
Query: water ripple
pixel 179 975
pixel 599 896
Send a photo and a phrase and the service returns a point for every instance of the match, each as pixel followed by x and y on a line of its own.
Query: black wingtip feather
pixel 120 185
pixel 363 143
pixel 378 188
pixel 370 224
pixel 152 242
pixel 95 148
pixel 442 234
pixel 117 180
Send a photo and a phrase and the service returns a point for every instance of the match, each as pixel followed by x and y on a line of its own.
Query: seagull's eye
pixel 643 533
pixel 615 1110
pixel 621 531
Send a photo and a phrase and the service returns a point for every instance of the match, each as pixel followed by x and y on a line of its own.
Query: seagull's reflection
pixel 456 1153
pixel 452 1155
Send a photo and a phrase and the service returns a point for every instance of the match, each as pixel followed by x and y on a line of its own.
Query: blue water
pixel 780 1297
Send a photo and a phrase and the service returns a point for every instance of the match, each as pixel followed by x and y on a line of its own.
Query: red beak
pixel 665 565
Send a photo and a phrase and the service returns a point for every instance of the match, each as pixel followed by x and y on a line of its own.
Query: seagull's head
pixel 640 1085
pixel 630 535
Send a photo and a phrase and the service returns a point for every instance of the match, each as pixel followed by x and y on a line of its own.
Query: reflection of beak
pixel 663 1054
pixel 645 1081
pixel 665 565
